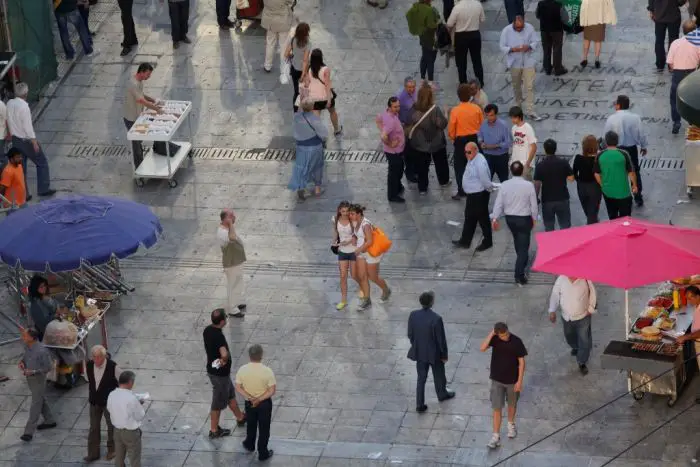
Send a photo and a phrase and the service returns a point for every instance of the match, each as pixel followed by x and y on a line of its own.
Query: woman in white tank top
pixel 317 81
pixel 344 238
pixel 367 265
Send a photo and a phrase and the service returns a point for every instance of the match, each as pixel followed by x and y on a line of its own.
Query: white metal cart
pixel 692 166
pixel 153 127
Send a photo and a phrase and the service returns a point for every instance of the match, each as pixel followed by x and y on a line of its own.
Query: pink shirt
pixel 682 55
pixel 394 130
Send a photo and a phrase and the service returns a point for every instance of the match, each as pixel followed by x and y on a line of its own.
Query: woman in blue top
pixel 310 135
pixel 42 307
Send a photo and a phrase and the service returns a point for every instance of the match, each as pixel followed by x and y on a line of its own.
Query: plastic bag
pixel 60 333
pixel 285 70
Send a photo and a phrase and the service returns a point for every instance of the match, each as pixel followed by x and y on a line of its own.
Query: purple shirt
pixel 406 100
pixel 392 127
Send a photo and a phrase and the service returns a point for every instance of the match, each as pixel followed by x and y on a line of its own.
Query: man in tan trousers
pixel 233 257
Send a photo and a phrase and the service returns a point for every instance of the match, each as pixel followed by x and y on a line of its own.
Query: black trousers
pixel 439 379
pixel 618 207
pixel 460 159
pixel 179 16
pixel 520 227
pixel 498 165
pixel 223 10
pixel 634 156
pixel 589 194
pixel 660 46
pixel 394 175
pixel 427 62
pixel 476 211
pixel 258 423
pixel 447 6
pixel 126 7
pixel 552 43
pixel 676 78
pixel 296 76
pixel 409 160
pixel 442 168
pixel 468 42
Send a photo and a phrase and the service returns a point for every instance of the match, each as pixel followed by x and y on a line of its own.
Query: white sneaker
pixel 512 431
pixel 495 441
pixel 535 117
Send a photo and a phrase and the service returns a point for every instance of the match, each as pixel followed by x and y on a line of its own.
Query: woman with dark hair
pixel 427 138
pixel 320 88
pixel 367 265
pixel 588 189
pixel 298 52
pixel 42 308
pixel 344 241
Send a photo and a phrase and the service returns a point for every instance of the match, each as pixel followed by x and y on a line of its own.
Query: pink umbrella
pixel 623 253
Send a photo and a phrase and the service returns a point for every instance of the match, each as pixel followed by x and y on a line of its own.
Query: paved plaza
pixel 345 388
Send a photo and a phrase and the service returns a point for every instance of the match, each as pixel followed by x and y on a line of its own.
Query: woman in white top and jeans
pixel 298 52
pixel 344 239
pixel 317 81
pixel 367 265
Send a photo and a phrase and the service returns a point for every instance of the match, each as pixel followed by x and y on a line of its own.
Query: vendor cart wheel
pixel 671 401
pixel 140 182
pixel 172 183
pixel 638 396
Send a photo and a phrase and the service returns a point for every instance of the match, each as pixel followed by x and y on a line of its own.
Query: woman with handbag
pixel 367 265
pixel 310 135
pixel 320 89
pixel 277 18
pixel 427 137
pixel 298 52
pixel 344 246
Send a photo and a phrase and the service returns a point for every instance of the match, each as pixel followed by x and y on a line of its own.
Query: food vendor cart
pixel 160 128
pixel 76 243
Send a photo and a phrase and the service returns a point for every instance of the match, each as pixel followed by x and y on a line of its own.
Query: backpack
pixel 443 38
pixel 414 18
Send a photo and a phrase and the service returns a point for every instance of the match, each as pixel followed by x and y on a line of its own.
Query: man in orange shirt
pixel 12 184
pixel 465 121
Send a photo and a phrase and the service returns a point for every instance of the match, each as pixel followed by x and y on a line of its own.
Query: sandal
pixel 301 195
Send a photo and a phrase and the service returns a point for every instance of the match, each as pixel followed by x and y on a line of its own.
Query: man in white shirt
pixel 516 199
pixel 232 257
pixel 577 299
pixel 127 415
pixel 464 21
pixel 524 141
pixel 19 122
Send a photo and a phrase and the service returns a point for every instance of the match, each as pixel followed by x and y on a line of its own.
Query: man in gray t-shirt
pixel 36 364
pixel 134 103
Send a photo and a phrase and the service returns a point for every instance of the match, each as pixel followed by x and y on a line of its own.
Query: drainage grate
pixel 662 164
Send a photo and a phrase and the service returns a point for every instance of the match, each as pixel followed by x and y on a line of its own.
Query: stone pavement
pixel 345 388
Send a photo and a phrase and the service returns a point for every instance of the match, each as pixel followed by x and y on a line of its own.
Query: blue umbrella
pixel 61 233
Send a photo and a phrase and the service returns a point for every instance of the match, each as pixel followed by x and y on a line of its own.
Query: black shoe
pixel 248 448
pixel 459 196
pixel 26 438
pixel 547 71
pixel 411 179
pixel 242 307
pixel 574 352
pixel 186 40
pixel 49 192
pixel 639 202
pixel 269 454
pixel 225 27
pixel 398 199
pixel 125 51
pixel 28 198
pixel 46 426
pixel 563 71
pixel 484 247
pixel 402 190
pixel 448 395
pixel 584 63
pixel 422 408
pixel 583 369
pixel 521 281
pixel 176 45
pixel 676 128
pixel 597 63
pixel 459 244
pixel 659 70
pixel 697 400
pixel 219 433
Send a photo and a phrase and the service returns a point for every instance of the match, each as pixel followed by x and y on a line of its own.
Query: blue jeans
pixel 520 227
pixel 676 78
pixel 43 177
pixel 556 209
pixel 578 336
pixel 77 21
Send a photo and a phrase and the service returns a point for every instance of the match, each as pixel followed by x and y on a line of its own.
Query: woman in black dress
pixel 588 189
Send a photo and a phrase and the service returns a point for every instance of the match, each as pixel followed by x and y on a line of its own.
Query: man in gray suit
pixel 428 349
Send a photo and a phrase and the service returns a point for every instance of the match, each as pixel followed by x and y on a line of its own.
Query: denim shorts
pixel 500 392
pixel 346 256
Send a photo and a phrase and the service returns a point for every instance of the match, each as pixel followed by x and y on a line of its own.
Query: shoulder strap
pixel 310 125
pixel 410 133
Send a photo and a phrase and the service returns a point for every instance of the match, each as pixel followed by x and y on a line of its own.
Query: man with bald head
pixel 233 257
pixel 103 378
pixel 477 184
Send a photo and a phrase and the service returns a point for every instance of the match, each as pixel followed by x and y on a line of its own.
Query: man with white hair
pixel 477 184
pixel 19 122
pixel 103 378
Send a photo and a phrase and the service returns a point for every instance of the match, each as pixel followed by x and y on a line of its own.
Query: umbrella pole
pixel 627 326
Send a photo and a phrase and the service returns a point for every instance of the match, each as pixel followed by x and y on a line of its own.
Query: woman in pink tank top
pixel 320 90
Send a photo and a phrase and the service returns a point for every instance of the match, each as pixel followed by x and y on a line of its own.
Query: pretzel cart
pixel 159 129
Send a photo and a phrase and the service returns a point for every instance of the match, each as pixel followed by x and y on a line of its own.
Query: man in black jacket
pixel 428 349
pixel 666 15
pixel 552 16
pixel 103 378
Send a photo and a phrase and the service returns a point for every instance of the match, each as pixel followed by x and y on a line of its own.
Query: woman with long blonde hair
pixel 344 241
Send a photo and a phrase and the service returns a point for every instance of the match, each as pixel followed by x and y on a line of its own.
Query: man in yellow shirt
pixel 256 383
pixel 464 124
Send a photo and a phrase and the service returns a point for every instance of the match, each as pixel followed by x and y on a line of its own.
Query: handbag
pixel 380 242
pixel 410 133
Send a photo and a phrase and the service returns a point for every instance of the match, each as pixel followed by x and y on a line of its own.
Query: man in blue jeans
pixel 66 11
pixel 577 299
pixel 551 176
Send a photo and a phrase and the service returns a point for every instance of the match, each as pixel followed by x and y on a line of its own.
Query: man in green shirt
pixel 614 173
pixel 423 20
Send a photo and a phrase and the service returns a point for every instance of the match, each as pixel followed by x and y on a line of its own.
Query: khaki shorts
pixel 500 392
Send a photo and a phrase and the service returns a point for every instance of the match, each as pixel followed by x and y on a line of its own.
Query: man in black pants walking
pixel 256 383
pixel 130 39
pixel 666 15
pixel 477 185
pixel 426 332
pixel 465 21
pixel 551 15
pixel 179 11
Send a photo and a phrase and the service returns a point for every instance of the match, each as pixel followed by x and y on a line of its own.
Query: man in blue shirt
pixel 495 141
pixel 407 97
pixel 477 184
pixel 518 42
pixel 628 127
